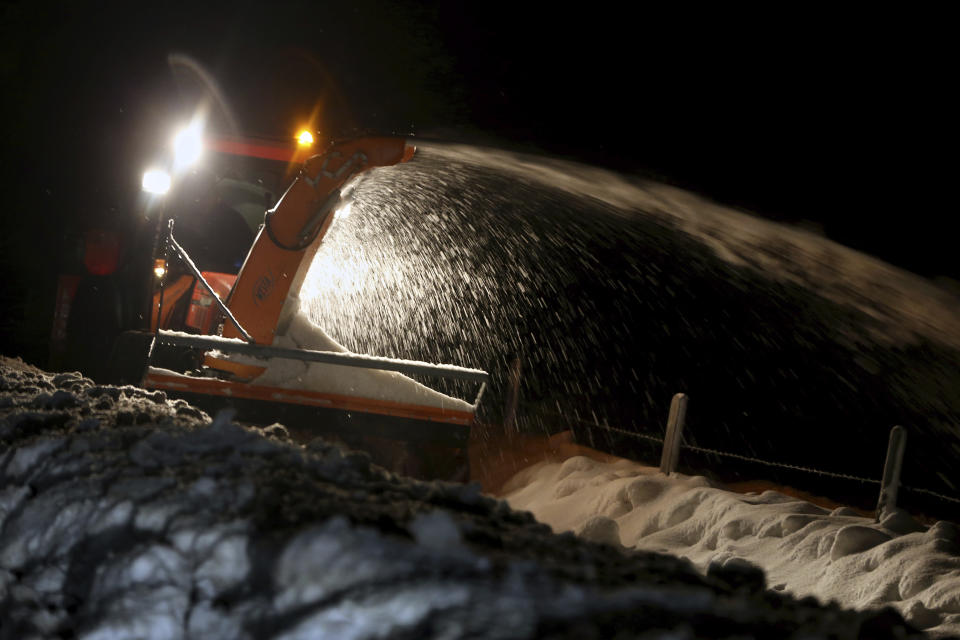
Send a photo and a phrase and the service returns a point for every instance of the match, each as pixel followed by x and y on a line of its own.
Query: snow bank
pixel 123 515
pixel 803 549
pixel 342 380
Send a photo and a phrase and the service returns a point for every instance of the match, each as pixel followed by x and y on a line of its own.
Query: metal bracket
pixel 185 258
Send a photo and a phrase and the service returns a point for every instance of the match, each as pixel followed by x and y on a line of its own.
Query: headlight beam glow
pixel 188 145
pixel 156 181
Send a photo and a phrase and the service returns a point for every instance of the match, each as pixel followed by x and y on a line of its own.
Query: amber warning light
pixel 305 138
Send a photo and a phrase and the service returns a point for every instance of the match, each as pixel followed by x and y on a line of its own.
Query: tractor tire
pixel 128 357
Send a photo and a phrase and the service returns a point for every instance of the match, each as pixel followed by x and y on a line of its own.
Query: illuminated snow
pixel 803 549
pixel 902 303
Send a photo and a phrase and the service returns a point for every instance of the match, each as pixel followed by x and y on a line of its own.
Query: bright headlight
pixel 188 145
pixel 156 181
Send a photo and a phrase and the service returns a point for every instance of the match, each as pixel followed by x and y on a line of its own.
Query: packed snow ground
pixel 124 514
pixel 802 548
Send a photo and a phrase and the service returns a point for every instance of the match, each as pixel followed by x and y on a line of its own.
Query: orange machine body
pixel 228 389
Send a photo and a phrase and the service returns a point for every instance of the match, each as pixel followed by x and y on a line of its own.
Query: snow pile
pixel 803 549
pixel 342 380
pixel 123 514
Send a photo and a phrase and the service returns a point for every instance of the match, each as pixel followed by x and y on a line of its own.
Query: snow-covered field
pixel 803 549
pixel 126 515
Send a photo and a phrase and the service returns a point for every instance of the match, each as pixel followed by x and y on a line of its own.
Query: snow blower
pixel 270 363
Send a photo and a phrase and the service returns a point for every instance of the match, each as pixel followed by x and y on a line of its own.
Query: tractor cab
pixel 217 202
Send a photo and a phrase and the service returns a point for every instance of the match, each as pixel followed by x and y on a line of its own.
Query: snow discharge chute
pixel 292 233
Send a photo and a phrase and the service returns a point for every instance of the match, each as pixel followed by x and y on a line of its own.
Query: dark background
pixel 841 121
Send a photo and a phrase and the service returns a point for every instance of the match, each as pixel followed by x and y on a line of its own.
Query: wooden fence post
pixel 891 471
pixel 671 442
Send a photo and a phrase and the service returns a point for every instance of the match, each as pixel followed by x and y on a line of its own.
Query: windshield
pixel 248 185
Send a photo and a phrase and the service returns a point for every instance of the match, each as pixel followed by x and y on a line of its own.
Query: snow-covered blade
pixel 232 345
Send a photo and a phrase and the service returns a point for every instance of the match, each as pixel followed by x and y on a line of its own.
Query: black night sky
pixel 831 118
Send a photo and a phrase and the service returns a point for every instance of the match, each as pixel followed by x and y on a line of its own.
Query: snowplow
pixel 239 342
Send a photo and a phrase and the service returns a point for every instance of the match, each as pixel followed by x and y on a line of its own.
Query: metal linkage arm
pixel 185 258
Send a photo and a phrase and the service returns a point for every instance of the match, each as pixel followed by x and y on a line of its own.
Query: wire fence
pixel 782 465
pixel 934 494
pixel 744 458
